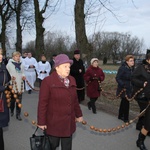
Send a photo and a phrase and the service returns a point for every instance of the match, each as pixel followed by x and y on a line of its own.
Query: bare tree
pixel 80 30
pixel 5 14
pixel 19 7
pixel 114 45
pixel 85 11
pixel 39 20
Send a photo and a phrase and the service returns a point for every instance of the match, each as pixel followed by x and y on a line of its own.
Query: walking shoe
pixel 29 91
pixel 89 106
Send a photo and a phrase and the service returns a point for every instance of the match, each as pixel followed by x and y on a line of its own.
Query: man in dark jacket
pixel 141 80
pixel 123 79
pixel 77 71
pixel 52 62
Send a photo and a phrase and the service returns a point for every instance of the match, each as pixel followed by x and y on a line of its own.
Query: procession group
pixel 62 83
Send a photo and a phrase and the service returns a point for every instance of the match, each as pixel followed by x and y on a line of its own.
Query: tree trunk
pixel 19 33
pixel 81 38
pixel 39 42
pixel 3 36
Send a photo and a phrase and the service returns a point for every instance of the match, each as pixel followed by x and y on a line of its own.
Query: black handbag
pixel 40 142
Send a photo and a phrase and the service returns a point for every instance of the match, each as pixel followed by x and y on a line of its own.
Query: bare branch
pixel 109 10
pixel 45 6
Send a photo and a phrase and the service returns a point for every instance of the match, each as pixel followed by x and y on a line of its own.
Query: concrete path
pixel 18 133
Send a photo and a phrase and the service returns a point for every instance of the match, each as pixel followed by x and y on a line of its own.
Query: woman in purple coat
pixel 93 77
pixel 58 108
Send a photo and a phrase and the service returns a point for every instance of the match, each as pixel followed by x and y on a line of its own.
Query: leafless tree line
pixel 31 14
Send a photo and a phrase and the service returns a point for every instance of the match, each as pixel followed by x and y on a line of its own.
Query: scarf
pixel 65 81
pixel 17 66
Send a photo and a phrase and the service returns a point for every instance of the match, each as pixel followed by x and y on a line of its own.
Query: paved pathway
pixel 18 133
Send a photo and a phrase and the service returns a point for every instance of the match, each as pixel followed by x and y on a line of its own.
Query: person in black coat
pixel 52 62
pixel 4 114
pixel 141 79
pixel 123 79
pixel 77 70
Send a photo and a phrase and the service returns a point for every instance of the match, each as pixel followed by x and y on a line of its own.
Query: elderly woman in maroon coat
pixel 58 107
pixel 93 77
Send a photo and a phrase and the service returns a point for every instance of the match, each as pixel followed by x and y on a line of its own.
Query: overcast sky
pixel 133 18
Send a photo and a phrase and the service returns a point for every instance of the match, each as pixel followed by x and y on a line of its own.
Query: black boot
pixel 93 108
pixel 93 100
pixel 140 142
pixel 18 117
pixel 89 105
pixel 12 113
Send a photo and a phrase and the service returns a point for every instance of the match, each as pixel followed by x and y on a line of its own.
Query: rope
pixel 31 86
pixel 91 127
pixel 115 128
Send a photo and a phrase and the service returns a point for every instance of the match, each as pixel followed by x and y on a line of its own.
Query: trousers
pixel 124 109
pixel 1 139
pixel 13 102
pixel 66 142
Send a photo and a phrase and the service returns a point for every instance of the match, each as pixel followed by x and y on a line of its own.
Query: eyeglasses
pixel 130 60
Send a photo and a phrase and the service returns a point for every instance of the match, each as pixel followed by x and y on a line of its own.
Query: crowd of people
pixel 62 83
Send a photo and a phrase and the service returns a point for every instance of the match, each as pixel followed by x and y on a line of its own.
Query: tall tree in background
pixel 39 19
pixel 90 11
pixel 19 7
pixel 80 30
pixel 5 14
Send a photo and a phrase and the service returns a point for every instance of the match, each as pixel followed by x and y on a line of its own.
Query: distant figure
pixel 30 66
pixel 52 62
pixel 22 58
pixel 123 79
pixel 93 77
pixel 25 54
pixel 4 59
pixel 43 69
pixel 77 71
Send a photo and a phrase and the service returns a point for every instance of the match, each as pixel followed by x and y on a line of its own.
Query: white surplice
pixel 30 72
pixel 43 67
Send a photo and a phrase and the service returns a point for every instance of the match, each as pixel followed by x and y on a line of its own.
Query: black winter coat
pixel 74 71
pixel 139 76
pixel 123 79
pixel 4 116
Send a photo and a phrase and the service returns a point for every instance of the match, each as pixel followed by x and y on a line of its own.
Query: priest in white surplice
pixel 30 66
pixel 43 69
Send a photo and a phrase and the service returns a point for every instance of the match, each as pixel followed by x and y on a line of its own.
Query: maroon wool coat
pixel 92 83
pixel 58 106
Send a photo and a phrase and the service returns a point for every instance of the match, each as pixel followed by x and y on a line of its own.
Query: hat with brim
pixel 62 59
pixel 77 52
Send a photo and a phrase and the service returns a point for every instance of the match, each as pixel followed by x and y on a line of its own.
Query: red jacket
pixel 91 76
pixel 58 106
